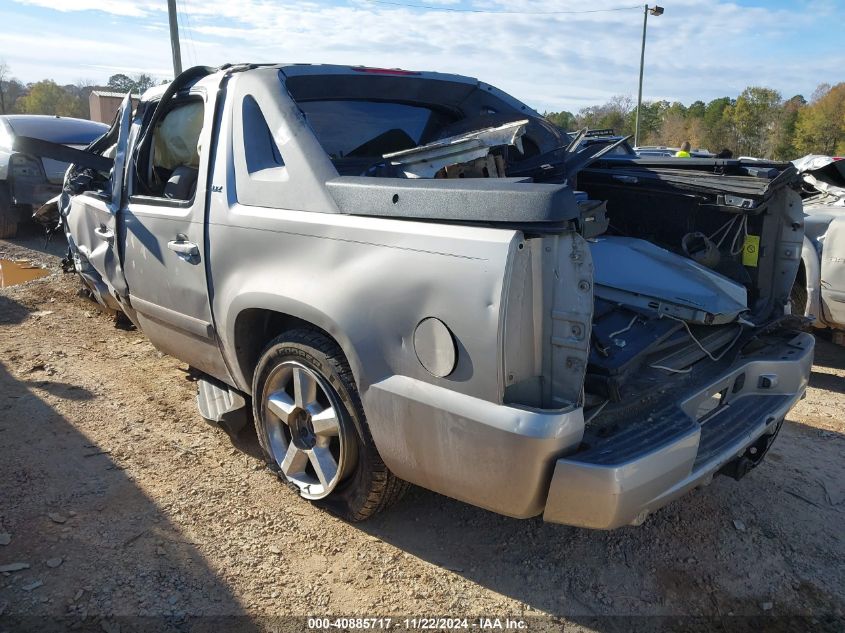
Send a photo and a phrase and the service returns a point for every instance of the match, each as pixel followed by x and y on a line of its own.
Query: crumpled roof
pixel 811 162
pixel 809 167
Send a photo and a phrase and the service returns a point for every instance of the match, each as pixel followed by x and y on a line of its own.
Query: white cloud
pixel 697 49
pixel 114 7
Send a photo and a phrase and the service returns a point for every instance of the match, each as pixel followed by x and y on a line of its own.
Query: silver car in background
pixel 27 181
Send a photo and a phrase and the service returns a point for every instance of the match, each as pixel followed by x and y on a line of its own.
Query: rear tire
pixel 798 296
pixel 798 299
pixel 8 213
pixel 312 429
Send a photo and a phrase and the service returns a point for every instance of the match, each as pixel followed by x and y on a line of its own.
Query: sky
pixel 698 49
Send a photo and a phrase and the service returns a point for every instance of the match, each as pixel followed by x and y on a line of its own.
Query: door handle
pixel 105 234
pixel 184 248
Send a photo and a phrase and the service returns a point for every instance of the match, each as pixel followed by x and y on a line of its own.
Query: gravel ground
pixel 120 501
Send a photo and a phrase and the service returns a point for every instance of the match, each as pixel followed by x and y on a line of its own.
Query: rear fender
pixel 812 274
pixel 832 286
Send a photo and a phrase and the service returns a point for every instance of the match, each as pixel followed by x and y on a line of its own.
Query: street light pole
pixel 174 39
pixel 655 12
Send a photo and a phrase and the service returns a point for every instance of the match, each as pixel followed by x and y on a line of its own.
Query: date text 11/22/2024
pixel 417 623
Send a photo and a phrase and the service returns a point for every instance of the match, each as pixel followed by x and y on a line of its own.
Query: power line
pixel 457 10
pixel 186 29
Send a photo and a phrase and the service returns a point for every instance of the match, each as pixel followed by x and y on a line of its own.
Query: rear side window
pixel 350 129
pixel 260 150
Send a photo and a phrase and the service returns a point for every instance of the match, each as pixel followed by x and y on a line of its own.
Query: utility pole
pixel 655 12
pixel 174 40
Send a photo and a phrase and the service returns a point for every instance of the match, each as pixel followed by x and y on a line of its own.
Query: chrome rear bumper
pixel 621 481
pixel 509 459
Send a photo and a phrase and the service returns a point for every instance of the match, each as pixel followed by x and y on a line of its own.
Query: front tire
pixel 312 429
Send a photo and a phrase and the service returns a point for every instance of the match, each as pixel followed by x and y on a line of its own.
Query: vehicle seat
pixel 182 183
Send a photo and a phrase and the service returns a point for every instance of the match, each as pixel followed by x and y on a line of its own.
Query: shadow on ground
pixel 659 569
pixel 828 382
pixel 828 354
pixel 774 540
pixel 689 559
pixel 77 523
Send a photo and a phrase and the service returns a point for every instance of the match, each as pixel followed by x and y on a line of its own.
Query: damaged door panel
pixel 92 219
pixel 164 246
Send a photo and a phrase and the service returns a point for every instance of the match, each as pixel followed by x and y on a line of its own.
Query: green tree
pixel 651 121
pixel 754 118
pixel 696 110
pixel 138 84
pixel 615 114
pixel 46 97
pixel 4 77
pixel 673 128
pixel 677 108
pixel 820 126
pixel 717 132
pixel 13 90
pixel 122 83
pixel 564 120
pixel 10 89
pixel 143 83
pixel 784 146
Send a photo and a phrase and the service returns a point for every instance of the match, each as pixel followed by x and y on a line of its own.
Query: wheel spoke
pixel 304 430
pixel 304 388
pixel 294 462
pixel 281 405
pixel 325 423
pixel 324 464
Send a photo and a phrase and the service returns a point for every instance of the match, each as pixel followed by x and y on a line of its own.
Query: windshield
pixel 350 129
pixel 57 129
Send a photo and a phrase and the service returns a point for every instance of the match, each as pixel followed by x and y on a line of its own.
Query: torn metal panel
pixel 426 160
pixel 824 174
pixel 638 273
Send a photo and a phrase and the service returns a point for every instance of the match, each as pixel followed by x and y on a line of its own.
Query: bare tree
pixel 83 88
pixel 4 73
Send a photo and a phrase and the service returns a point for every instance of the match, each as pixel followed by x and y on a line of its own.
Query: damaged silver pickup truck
pixel 413 277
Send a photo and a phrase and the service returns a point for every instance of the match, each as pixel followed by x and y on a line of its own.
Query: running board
pixel 221 405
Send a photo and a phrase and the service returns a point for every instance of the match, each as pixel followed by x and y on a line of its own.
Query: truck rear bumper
pixel 493 456
pixel 509 459
pixel 622 480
